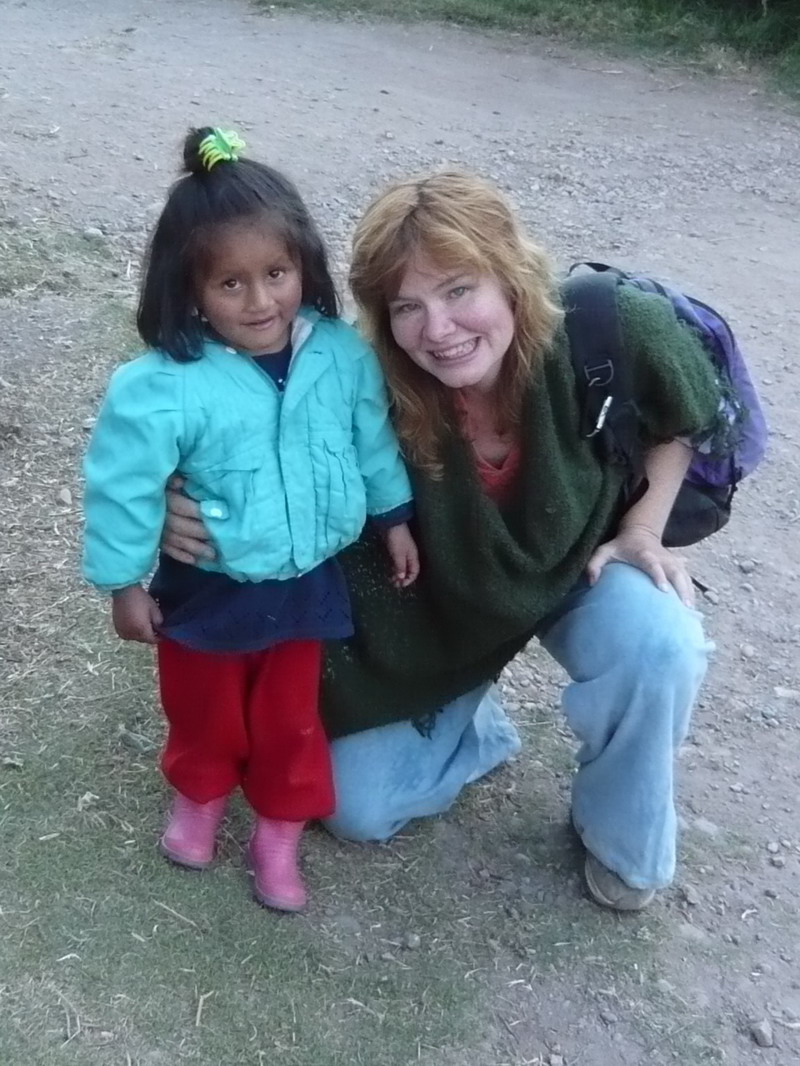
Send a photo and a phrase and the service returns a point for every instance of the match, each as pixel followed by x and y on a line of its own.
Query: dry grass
pixel 39 258
pixel 451 946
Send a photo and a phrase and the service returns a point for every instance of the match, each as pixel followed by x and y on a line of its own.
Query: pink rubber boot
pixel 273 859
pixel 190 836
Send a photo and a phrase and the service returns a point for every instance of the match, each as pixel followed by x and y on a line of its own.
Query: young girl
pixel 275 413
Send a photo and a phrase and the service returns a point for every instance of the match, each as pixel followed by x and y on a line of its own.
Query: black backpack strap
pixel 609 415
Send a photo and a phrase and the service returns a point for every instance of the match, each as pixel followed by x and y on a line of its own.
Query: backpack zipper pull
pixel 601 418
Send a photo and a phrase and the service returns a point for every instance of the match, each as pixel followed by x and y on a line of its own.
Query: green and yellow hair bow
pixel 220 146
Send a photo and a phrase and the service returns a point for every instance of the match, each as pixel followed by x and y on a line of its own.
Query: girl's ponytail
pixel 192 163
pixel 207 146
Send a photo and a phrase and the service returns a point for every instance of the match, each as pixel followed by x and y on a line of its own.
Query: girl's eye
pixel 277 273
pixel 230 284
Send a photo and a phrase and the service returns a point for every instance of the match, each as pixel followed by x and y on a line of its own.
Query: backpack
pixel 609 415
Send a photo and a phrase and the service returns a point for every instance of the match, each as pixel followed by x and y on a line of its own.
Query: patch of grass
pixel 108 956
pixel 696 30
pixel 44 258
pixel 106 951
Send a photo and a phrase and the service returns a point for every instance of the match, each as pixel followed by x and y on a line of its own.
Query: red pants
pixel 247 719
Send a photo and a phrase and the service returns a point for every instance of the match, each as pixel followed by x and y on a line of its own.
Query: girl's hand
pixel 641 547
pixel 135 615
pixel 405 557
pixel 184 536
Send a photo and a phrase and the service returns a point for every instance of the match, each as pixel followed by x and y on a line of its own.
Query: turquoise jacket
pixel 283 481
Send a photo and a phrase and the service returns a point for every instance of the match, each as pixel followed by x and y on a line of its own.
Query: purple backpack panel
pixel 720 462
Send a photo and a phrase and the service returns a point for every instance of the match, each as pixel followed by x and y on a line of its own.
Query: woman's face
pixel 456 326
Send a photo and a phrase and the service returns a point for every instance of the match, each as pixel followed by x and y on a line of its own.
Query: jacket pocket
pixel 241 445
pixel 229 478
pixel 341 501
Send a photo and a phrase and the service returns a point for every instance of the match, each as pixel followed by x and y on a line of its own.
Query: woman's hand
pixel 184 537
pixel 642 547
pixel 135 615
pixel 405 557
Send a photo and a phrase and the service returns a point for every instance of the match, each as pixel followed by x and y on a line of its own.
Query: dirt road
pixel 695 179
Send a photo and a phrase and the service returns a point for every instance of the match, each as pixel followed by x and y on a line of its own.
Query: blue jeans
pixel 636 657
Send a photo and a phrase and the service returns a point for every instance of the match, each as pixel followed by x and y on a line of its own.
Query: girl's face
pixel 456 326
pixel 251 288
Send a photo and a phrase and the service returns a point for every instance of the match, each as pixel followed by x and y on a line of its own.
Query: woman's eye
pixel 459 290
pixel 230 284
pixel 276 274
pixel 402 309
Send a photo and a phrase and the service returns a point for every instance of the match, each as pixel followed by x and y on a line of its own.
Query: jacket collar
pixel 310 356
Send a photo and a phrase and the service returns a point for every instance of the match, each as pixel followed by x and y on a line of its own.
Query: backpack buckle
pixel 600 376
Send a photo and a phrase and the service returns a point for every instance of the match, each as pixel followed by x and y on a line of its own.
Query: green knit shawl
pixel 489 578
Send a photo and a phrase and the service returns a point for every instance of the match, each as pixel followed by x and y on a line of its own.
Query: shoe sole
pixel 598 896
pixel 275 904
pixel 177 859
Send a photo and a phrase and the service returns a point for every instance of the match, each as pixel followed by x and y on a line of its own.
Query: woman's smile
pixel 457 327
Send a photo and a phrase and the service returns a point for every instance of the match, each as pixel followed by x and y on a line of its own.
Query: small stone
pixel 387 956
pixel 690 895
pixel 711 596
pixel 786 693
pixel 555 1060
pixel 747 587
pixel 93 233
pixel 692 933
pixel 707 828
pixel 748 651
pixel 65 496
pixel 736 787
pixel 770 893
pixel 608 1017
pixel 747 566
pixel 773 847
pixel 89 423
pixel 134 741
pixel 665 986
pixel 761 1033
pixel 778 860
pixel 412 941
pixel 10 763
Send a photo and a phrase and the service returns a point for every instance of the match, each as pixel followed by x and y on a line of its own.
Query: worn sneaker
pixel 609 890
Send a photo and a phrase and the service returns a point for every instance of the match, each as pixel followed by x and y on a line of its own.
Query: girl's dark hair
pixel 198 202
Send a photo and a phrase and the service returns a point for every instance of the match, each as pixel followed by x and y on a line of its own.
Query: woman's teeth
pixel 458 351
